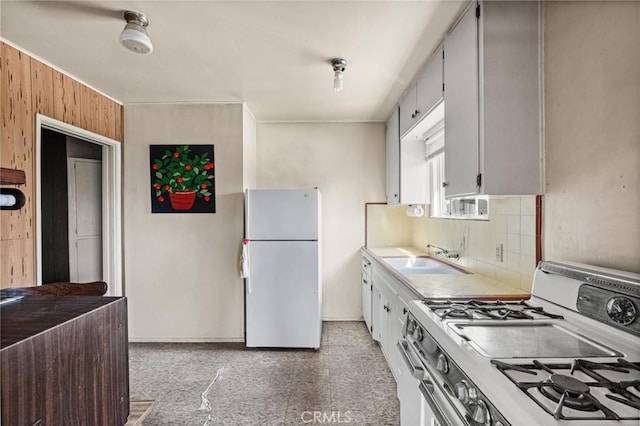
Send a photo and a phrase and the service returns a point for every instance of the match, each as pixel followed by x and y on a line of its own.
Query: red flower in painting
pixel 176 154
pixel 188 167
pixel 154 167
pixel 156 186
pixel 179 180
pixel 161 198
pixel 167 187
pixel 207 198
pixel 203 185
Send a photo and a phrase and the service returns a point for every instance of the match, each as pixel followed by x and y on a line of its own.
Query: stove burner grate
pixel 569 392
pixel 498 310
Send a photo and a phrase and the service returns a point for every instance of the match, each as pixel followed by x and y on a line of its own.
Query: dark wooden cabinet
pixel 64 361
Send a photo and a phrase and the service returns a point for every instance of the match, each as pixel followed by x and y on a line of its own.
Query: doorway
pixel 78 204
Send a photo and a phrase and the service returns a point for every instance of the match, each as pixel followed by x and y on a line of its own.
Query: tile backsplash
pixel 511 224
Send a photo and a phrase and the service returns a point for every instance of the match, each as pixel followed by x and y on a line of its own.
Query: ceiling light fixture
pixel 134 36
pixel 338 65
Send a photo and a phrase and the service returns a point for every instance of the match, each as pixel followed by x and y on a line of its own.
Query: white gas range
pixel 568 356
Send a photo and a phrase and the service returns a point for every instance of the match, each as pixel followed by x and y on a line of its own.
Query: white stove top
pixel 555 336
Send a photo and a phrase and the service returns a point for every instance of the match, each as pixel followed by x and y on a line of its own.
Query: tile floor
pixel 347 381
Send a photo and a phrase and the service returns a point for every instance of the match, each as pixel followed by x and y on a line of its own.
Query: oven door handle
pixel 426 388
pixel 416 371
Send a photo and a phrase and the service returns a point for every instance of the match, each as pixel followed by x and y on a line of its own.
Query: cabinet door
pixel 393 159
pixel 429 90
pixel 366 301
pixel 383 314
pixel 413 172
pixel 461 106
pixel 408 108
pixel 376 317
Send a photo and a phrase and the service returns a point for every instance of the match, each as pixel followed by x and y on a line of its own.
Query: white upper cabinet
pixel 492 106
pixel 461 106
pixel 424 94
pixel 408 110
pixel 393 159
pixel 429 87
pixel 406 166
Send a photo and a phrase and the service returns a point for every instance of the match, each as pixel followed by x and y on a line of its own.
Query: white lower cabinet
pixel 367 289
pixel 376 316
pixel 389 299
pixel 389 310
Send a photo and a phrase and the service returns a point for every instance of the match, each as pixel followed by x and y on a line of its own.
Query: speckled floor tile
pixel 346 377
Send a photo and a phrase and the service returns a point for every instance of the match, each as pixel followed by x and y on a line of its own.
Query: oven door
pixel 421 401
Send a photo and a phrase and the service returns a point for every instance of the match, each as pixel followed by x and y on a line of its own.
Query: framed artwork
pixel 182 179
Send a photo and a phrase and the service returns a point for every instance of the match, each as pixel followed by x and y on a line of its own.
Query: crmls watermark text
pixel 315 417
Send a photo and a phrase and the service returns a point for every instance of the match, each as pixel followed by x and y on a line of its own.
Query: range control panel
pixel 621 310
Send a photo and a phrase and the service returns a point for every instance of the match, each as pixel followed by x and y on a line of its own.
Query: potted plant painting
pixel 183 178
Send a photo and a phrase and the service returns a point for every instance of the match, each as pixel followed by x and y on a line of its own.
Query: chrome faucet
pixel 444 252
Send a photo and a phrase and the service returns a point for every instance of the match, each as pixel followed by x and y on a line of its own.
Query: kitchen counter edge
pixel 406 281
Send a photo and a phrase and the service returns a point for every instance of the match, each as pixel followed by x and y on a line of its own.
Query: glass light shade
pixel 134 37
pixel 337 82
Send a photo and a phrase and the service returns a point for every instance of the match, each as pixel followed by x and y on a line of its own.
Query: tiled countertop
pixel 469 285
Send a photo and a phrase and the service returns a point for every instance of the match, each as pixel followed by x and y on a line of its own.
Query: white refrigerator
pixel 283 295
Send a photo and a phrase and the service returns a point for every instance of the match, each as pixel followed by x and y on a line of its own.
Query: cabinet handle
pixel 386 308
pixel 445 184
pixel 365 281
pixel 404 311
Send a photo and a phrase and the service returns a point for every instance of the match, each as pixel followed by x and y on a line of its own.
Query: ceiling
pixel 273 55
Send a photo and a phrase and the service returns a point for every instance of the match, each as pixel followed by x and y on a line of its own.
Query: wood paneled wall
pixel 29 87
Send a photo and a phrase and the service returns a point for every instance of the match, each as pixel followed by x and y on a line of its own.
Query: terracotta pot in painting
pixel 182 200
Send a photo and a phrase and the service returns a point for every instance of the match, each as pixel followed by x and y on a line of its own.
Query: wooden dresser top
pixel 32 315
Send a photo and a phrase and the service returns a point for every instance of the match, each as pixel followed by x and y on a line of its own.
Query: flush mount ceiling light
pixel 134 36
pixel 338 65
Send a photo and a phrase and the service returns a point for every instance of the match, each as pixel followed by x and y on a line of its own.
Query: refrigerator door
pixel 275 214
pixel 283 300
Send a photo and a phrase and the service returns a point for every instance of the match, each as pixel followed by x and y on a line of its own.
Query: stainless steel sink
pixel 409 265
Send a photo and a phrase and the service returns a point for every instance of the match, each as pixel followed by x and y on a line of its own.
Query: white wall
pixel 249 140
pixel 346 162
pixel 181 273
pixel 388 226
pixel 592 158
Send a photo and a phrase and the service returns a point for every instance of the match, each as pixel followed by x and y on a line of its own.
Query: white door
pixel 461 121
pixel 283 305
pixel 282 214
pixel 429 86
pixel 85 220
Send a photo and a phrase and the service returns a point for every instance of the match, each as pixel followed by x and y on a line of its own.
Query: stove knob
pixel 473 394
pixel 411 326
pixel 481 414
pixel 417 334
pixel 442 365
pixel 462 392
